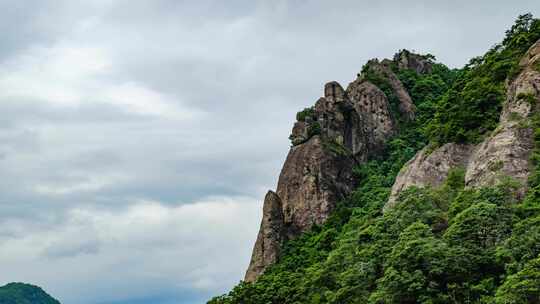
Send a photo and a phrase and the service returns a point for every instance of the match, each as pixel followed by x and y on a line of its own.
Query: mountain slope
pixel 20 293
pixel 452 241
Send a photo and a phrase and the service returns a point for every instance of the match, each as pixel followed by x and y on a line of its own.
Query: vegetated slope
pixel 20 293
pixel 449 244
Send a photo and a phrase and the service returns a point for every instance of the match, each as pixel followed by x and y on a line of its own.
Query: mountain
pixel 415 184
pixel 20 293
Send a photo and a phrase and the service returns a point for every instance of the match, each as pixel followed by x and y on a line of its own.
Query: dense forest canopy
pixel 439 245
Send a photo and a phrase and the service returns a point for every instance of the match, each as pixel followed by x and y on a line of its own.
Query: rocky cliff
pixel 501 156
pixel 342 129
pixel 471 136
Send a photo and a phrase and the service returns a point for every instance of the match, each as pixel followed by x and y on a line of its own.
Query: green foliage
pixel 531 204
pixel 417 268
pixel 335 147
pixel 307 112
pixel 472 105
pixel 427 89
pixel 522 287
pixel 314 128
pixel 528 97
pixel 450 244
pixel 381 81
pixel 536 65
pixel 20 293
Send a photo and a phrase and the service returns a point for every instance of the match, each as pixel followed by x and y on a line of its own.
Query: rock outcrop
pixel 421 64
pixel 342 129
pixel 429 168
pixel 312 181
pixel 504 154
pixel 384 71
pixel 371 104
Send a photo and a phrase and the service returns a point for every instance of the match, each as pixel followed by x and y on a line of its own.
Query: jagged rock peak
pixel 334 92
pixel 422 64
pixel 342 129
pixel 376 72
pixel 358 118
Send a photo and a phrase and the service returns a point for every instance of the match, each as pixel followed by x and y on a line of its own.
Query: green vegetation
pixel 314 128
pixel 438 245
pixel 307 112
pixel 335 147
pixel 380 80
pixel 530 98
pixel 470 109
pixel 20 293
pixel 536 65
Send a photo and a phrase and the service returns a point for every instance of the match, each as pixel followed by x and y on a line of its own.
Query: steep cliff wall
pixel 429 168
pixel 342 129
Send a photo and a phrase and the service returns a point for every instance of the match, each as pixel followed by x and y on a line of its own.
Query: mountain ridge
pixel 464 146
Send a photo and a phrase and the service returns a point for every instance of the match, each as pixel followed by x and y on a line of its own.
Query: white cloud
pixel 113 110
pixel 80 183
pixel 66 74
pixel 52 74
pixel 202 246
pixel 144 101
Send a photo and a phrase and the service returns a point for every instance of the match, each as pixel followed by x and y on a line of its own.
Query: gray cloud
pixel 137 138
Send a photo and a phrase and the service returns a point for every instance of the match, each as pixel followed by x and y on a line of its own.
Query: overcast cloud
pixel 137 138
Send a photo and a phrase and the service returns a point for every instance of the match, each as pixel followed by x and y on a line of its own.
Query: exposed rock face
pixel 503 154
pixel 429 169
pixel 383 70
pixel 299 133
pixel 354 124
pixel 312 181
pixel 271 233
pixel 371 104
pixel 419 63
pixel 342 129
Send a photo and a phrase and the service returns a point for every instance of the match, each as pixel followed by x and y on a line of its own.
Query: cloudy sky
pixel 137 138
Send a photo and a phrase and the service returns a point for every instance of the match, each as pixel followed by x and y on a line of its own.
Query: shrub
pixel 307 112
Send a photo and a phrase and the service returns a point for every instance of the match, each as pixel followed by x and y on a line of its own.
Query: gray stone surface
pixel 271 234
pixel 383 70
pixel 418 63
pixel 429 168
pixel 506 152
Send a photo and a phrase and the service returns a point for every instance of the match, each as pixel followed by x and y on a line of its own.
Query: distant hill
pixel 20 293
